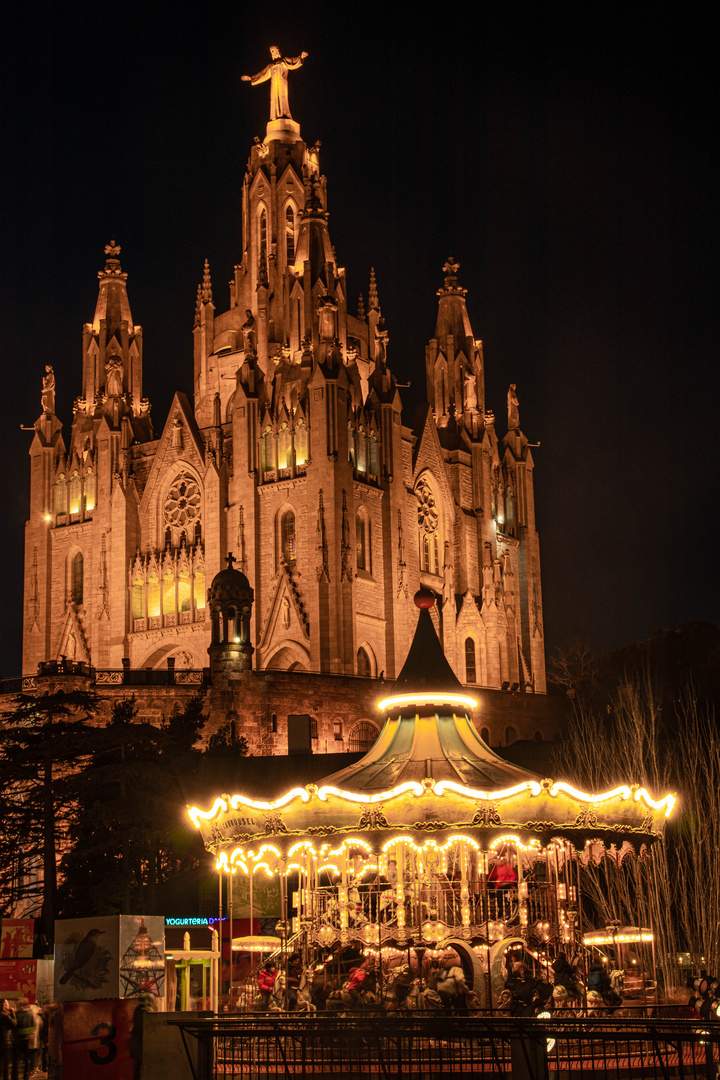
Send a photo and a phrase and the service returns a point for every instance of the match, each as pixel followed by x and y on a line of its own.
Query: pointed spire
pixel 426 667
pixel 206 290
pixel 361 308
pixel 198 305
pixel 373 302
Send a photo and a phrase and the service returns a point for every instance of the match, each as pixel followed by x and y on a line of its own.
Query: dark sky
pixel 564 154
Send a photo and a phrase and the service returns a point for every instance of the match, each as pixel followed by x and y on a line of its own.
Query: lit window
pixel 90 490
pixel 153 596
pixel 301 443
pixel 199 589
pixel 60 496
pixel 137 599
pixel 284 447
pixel 75 489
pixel 168 594
pixel 287 536
pixel 184 591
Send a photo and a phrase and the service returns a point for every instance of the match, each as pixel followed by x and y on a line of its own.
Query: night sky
pixel 564 154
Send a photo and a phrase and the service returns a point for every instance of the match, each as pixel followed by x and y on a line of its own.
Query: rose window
pixel 182 506
pixel 427 509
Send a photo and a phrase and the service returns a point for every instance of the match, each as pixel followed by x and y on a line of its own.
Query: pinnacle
pixel 373 302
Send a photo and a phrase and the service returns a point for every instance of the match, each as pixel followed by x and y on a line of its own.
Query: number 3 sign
pixel 98 1041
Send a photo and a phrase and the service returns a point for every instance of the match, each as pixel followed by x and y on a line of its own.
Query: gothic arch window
pixel 364 667
pixel 268 458
pixel 76 580
pixel 352 453
pixel 485 736
pixel 289 234
pixel 510 735
pixel 138 599
pixel 362 737
pixel 363 540
pixel 60 495
pixel 361 451
pixel 183 590
pixel 262 235
pixel 153 596
pixel 301 444
pixel 470 668
pixel 284 446
pixel 168 594
pixel 75 489
pixel 90 491
pixel 374 465
pixel 199 588
pixel 288 539
pixel 429 528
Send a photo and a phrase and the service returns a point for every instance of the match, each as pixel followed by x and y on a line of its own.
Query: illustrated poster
pixel 86 959
pixel 142 955
pixel 16 938
pixel 18 978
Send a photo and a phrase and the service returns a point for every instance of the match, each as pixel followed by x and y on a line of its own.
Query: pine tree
pixel 129 850
pixel 45 742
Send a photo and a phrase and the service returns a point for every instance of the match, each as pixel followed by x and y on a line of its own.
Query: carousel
pixel 432 842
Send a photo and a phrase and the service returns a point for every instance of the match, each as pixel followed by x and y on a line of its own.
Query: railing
pixel 439 1045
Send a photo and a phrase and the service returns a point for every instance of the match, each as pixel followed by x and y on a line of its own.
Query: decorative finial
pixel 206 284
pixel 361 308
pixel 424 598
pixel 373 303
pixel 277 72
pixel 198 305
pixel 230 560
pixel 112 249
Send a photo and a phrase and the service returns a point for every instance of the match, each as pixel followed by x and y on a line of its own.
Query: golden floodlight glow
pixel 398 700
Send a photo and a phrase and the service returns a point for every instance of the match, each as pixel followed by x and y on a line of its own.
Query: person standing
pixel 7 1038
pixel 266 983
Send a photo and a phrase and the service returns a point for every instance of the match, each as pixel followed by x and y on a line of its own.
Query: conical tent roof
pixel 429 775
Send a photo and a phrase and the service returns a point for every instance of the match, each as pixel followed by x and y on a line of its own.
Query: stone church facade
pixel 294 456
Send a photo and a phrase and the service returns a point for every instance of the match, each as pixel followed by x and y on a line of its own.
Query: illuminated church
pixel 295 457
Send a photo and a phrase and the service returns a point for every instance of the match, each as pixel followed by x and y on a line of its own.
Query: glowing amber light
pixel 626 938
pixel 398 700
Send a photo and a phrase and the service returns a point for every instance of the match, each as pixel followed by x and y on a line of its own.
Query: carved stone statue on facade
pixel 470 391
pixel 277 72
pixel 114 377
pixel 513 408
pixel 249 333
pixel 327 318
pixel 382 340
pixel 48 390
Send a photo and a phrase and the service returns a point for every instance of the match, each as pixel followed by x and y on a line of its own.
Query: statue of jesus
pixel 277 72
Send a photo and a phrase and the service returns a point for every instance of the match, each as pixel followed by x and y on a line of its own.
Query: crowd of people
pixel 22 1040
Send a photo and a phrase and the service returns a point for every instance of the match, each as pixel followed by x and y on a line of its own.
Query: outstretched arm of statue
pixel 261 76
pixel 295 61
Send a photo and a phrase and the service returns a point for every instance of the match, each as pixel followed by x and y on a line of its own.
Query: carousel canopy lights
pixel 398 701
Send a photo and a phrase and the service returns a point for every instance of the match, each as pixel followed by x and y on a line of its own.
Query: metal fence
pixel 437 1045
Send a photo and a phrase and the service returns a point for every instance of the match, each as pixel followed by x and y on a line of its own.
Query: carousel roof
pixel 428 775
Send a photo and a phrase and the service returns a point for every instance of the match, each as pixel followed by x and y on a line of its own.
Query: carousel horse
pixel 304 1002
